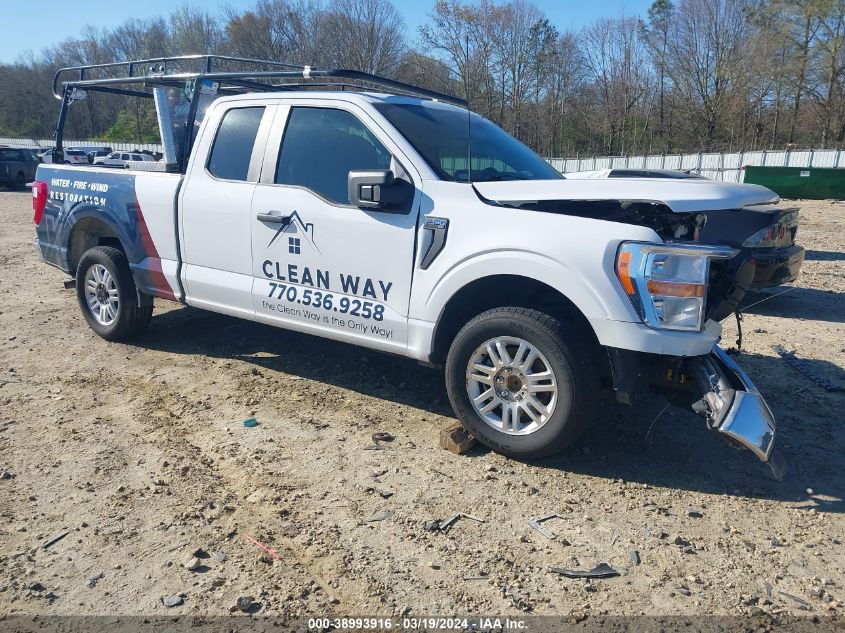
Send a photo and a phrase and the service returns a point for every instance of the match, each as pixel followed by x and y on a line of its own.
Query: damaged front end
pixel 718 390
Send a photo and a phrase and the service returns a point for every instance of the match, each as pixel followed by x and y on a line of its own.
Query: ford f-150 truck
pixel 390 217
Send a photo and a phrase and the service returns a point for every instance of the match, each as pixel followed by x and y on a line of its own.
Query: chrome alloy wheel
pixel 101 294
pixel 511 385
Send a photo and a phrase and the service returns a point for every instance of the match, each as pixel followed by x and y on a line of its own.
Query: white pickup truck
pixel 403 223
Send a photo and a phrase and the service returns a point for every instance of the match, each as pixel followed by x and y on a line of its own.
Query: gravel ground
pixel 138 454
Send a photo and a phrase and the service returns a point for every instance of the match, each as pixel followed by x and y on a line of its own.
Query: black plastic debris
pixel 602 570
pixel 806 368
pixel 55 540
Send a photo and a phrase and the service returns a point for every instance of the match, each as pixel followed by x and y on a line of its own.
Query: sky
pixel 23 29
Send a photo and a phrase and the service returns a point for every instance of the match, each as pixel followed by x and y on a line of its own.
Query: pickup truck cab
pixel 405 224
pixel 17 167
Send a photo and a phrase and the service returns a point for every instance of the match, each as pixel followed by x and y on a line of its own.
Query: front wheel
pixel 107 295
pixel 523 383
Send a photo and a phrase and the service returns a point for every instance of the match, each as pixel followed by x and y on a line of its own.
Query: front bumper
pixel 731 403
pixel 776 266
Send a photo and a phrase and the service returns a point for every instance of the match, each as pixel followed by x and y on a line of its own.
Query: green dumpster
pixel 817 183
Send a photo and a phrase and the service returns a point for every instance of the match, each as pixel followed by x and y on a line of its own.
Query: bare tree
pixel 657 36
pixel 562 79
pixel 365 35
pixel 276 30
pixel 707 54
pixel 691 75
pixel 421 70
pixel 459 34
pixel 616 58
pixel 195 30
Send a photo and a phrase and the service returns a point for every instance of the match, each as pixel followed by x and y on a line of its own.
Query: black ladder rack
pixel 170 71
pixel 135 78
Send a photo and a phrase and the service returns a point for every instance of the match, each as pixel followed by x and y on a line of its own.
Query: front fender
pixel 594 295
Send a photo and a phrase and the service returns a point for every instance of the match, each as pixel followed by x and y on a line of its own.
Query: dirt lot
pixel 139 452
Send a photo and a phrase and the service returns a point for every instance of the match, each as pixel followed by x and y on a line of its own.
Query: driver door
pixel 321 265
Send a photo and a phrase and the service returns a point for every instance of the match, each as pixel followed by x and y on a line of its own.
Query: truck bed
pixel 138 208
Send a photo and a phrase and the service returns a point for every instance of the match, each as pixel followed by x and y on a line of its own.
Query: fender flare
pixel 124 229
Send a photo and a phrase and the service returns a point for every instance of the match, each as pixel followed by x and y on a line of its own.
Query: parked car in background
pixel 119 159
pixel 71 156
pixel 631 173
pixel 764 233
pixel 76 157
pixel 17 167
pixel 100 153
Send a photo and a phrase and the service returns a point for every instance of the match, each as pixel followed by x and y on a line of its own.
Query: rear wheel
pixel 20 181
pixel 521 382
pixel 107 295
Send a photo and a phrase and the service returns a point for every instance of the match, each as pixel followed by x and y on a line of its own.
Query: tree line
pixel 690 75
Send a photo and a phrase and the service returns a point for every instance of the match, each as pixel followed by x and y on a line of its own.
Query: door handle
pixel 273 217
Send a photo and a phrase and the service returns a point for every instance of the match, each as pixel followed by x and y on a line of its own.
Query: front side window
pixel 321 146
pixel 232 148
pixel 447 136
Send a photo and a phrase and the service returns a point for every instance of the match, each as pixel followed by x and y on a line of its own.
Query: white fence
pixel 48 143
pixel 726 167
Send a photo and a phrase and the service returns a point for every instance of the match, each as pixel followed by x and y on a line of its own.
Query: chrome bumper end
pixel 732 404
pixel 749 421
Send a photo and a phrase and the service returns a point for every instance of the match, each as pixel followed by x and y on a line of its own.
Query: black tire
pixel 20 181
pixel 572 357
pixel 131 318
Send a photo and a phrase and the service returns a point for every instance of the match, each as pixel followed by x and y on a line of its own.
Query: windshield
pixel 440 134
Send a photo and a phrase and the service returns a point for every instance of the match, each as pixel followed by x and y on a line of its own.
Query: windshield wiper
pixel 507 176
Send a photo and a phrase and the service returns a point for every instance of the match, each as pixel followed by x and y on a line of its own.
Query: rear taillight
pixel 779 233
pixel 39 200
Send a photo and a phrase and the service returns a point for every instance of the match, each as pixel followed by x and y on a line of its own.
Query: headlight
pixel 667 283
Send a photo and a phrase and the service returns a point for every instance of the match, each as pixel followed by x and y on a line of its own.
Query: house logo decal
pixel 298 234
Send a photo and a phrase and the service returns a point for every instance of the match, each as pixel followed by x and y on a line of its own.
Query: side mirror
pixel 377 189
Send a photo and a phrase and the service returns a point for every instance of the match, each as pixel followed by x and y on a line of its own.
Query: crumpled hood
pixel 680 195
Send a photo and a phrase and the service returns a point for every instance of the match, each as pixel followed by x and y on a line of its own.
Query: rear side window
pixel 9 154
pixel 233 144
pixel 124 157
pixel 136 157
pixel 321 146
